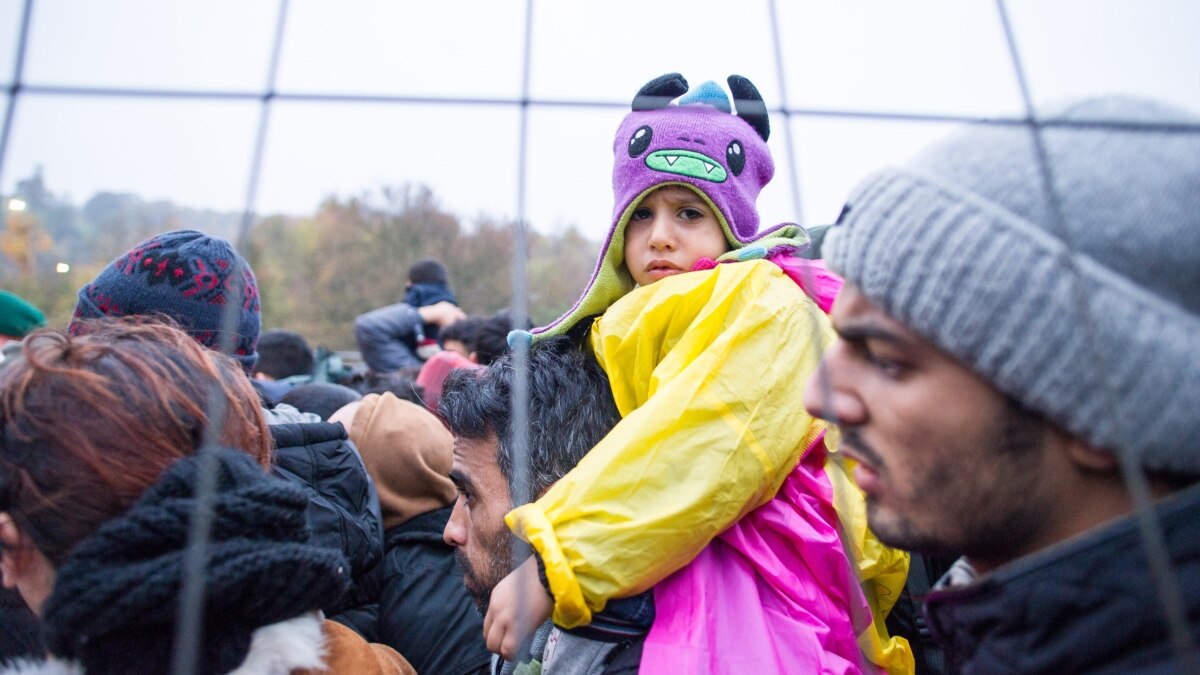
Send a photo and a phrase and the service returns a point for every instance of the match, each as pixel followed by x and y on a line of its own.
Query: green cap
pixel 18 318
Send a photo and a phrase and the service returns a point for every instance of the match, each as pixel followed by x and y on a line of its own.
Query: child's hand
pixel 519 605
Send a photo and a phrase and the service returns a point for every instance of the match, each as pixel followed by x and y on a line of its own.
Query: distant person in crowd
pixel 488 342
pixel 570 410
pixel 99 467
pixel 434 373
pixel 20 634
pixel 18 318
pixel 189 277
pixel 459 337
pixel 424 610
pixel 402 384
pixel 1020 320
pixel 405 334
pixel 715 489
pixel 320 398
pixel 491 338
pixel 285 360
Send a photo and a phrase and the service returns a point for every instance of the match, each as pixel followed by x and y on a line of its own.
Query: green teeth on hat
pixel 687 163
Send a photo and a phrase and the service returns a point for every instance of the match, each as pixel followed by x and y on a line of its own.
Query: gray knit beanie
pixel 1087 311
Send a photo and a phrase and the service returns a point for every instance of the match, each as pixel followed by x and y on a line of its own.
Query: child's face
pixel 668 232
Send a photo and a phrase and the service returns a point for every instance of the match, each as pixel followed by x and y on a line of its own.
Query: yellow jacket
pixel 708 371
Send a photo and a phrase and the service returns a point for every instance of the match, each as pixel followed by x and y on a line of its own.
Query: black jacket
pixel 20 630
pixel 1085 606
pixel 424 610
pixel 343 508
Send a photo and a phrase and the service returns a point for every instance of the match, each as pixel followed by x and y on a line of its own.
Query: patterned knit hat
pixel 183 274
pixel 699 143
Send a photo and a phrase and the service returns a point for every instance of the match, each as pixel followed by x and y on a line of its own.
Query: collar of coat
pixel 1083 604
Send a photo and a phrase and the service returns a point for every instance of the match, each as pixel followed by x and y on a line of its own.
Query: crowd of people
pixel 956 431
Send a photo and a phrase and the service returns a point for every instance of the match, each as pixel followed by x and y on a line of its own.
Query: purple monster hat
pixel 700 144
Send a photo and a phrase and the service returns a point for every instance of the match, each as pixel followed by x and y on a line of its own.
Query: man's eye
pixel 889 368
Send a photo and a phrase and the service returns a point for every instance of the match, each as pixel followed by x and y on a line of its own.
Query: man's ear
pixel 1090 458
pixel 474 357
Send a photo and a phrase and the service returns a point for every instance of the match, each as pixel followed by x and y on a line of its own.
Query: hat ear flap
pixel 659 92
pixel 749 105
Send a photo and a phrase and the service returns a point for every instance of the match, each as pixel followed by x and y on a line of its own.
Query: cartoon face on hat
pixel 697 142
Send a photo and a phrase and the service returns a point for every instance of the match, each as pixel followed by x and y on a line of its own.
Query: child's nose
pixel 662 235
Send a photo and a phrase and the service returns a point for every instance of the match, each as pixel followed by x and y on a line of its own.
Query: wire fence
pixel 192 601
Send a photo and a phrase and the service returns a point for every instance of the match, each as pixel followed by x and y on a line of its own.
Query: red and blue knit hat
pixel 697 141
pixel 183 274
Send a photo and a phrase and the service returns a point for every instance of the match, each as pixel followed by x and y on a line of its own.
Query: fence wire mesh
pixel 188 633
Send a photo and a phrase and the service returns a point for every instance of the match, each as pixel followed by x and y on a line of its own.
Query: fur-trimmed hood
pixel 278 649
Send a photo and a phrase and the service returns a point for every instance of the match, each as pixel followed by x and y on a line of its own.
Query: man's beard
pixel 500 562
pixel 989 522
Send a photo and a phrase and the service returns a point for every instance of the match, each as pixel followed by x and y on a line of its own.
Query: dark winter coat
pixel 1085 606
pixel 343 509
pixel 387 337
pixel 425 612
pixel 20 630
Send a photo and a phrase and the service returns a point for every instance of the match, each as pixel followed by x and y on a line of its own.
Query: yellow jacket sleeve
pixel 708 371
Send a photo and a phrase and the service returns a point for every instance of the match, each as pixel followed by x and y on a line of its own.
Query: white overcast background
pixel 946 57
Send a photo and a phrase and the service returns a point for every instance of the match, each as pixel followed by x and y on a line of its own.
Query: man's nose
pixel 830 394
pixel 455 533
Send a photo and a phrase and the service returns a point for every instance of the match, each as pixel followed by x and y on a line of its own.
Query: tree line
pixel 315 273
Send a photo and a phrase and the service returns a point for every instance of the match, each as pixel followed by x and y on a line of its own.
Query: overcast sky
pixel 946 57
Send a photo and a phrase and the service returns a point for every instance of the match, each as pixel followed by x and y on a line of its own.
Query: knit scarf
pixel 116 597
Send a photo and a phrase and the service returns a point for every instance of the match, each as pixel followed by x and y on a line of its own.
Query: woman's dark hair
pixel 88 422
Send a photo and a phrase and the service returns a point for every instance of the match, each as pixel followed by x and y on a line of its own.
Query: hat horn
pixel 749 104
pixel 659 92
